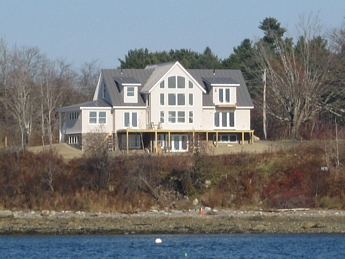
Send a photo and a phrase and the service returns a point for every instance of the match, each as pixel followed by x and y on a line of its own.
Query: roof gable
pixel 161 71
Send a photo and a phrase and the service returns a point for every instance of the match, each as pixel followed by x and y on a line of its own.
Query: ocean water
pixel 175 246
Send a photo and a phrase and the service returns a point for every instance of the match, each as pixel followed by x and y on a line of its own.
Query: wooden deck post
pixel 126 141
pixel 169 148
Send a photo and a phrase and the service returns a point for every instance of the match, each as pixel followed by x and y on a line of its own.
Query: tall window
pixel 172 117
pixel 224 95
pixel 130 119
pixel 181 82
pixel 161 119
pixel 161 84
pixel 181 99
pixel 190 84
pixel 191 100
pixel 172 82
pixel 181 117
pixel 171 99
pixel 161 98
pixel 191 117
pixel 224 119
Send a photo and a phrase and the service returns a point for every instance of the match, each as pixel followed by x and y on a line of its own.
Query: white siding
pixel 242 119
pixel 196 108
pixel 119 118
pixel 208 119
pixel 104 128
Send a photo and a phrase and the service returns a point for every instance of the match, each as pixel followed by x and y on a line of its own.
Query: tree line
pixel 297 84
pixel 32 87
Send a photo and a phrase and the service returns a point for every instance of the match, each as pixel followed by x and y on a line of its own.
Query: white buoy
pixel 158 241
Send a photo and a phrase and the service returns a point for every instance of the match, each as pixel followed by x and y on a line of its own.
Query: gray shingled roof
pixel 116 97
pixel 126 80
pixel 91 104
pixel 219 80
pixel 150 76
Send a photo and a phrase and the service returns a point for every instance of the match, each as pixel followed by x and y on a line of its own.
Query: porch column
pixel 242 137
pixel 156 139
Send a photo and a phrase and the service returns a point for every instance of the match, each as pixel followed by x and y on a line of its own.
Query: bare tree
pixel 24 65
pixel 4 66
pixel 88 78
pixel 50 97
pixel 298 87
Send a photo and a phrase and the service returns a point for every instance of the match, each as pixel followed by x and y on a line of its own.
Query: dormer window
pixel 130 91
pixel 128 86
pixel 224 95
pixel 130 94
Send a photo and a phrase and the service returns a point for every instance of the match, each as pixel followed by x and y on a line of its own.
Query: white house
pixel 163 107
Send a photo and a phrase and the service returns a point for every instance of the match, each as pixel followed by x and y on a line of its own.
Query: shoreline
pixel 172 222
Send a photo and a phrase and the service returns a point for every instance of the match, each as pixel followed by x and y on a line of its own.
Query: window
pixel 181 99
pixel 74 116
pixel 130 119
pixel 172 117
pixel 224 120
pixel 98 117
pixel 226 138
pixel 191 99
pixel 171 99
pixel 191 117
pixel 161 84
pixel 73 139
pixel 180 82
pixel 181 117
pixel 130 91
pixel 133 141
pixel 190 84
pixel 172 82
pixel 104 92
pixel 102 118
pixel 161 99
pixel 224 95
pixel 93 117
pixel 161 119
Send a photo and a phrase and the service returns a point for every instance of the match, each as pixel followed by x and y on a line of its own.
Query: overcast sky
pixel 85 30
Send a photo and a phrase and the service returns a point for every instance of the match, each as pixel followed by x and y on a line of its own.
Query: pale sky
pixel 85 30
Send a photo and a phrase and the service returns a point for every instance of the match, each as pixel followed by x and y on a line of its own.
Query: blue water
pixel 175 246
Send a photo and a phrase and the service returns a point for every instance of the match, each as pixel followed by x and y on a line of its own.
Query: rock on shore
pixel 172 222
